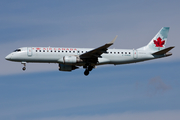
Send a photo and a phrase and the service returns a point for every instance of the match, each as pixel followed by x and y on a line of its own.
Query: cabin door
pixel 135 54
pixel 29 51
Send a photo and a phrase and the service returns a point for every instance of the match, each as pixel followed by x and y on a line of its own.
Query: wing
pixel 92 55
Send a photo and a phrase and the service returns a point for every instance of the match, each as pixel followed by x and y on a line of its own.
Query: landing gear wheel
pixel 86 72
pixel 24 68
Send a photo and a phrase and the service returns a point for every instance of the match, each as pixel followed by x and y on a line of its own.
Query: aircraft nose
pixel 8 57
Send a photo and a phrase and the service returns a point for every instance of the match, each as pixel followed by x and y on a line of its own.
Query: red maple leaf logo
pixel 159 42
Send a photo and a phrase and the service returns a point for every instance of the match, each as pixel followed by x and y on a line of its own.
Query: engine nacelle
pixel 63 67
pixel 70 59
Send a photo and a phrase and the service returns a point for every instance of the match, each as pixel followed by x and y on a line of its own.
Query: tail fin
pixel 158 42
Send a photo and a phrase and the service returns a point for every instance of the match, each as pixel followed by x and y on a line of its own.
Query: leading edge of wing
pixel 98 51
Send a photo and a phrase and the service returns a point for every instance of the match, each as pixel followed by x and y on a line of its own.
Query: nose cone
pixel 8 57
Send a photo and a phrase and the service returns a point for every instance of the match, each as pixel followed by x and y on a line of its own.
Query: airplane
pixel 72 58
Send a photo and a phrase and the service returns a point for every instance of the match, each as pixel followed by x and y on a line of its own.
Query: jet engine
pixel 69 59
pixel 69 68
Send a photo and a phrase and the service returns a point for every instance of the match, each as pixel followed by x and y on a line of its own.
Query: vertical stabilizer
pixel 158 42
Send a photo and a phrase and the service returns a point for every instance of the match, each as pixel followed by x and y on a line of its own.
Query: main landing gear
pixel 88 68
pixel 86 72
pixel 24 68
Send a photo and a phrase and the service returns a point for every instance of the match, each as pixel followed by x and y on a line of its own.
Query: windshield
pixel 17 50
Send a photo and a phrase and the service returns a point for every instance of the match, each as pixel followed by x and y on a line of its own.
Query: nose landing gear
pixel 24 68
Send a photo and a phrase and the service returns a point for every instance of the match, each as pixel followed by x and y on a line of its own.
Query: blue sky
pixel 148 90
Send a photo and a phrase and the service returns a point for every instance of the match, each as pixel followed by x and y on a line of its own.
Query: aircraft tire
pixel 86 72
pixel 24 68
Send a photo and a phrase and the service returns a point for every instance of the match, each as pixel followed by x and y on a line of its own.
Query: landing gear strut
pixel 24 68
pixel 90 68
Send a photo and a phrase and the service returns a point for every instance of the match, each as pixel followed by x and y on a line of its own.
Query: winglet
pixel 113 40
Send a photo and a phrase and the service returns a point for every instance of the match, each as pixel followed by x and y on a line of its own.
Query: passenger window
pixel 118 52
pixel 121 52
pixel 125 52
pixel 129 52
pixel 73 51
pixel 69 51
pixel 58 51
pixel 114 52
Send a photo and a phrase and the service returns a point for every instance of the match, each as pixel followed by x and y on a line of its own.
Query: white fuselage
pixel 55 55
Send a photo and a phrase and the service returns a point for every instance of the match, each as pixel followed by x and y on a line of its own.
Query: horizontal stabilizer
pixel 164 51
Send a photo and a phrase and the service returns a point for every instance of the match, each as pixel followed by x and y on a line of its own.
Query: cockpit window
pixel 17 50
